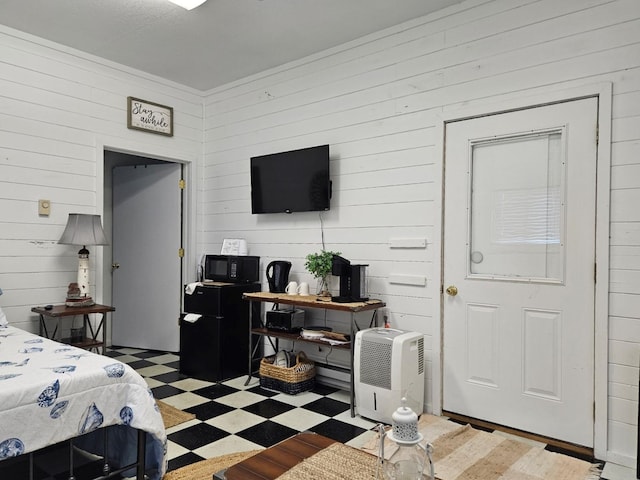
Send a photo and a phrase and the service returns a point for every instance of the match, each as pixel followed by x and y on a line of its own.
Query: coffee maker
pixel 353 280
pixel 278 275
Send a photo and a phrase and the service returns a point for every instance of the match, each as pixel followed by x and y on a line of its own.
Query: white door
pixel 146 240
pixel 518 275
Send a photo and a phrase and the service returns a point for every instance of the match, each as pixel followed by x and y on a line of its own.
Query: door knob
pixel 115 266
pixel 452 290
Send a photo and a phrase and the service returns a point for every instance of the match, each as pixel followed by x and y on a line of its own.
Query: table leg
pixel 43 327
pixel 87 321
pixel 104 333
pixel 94 334
pixel 103 328
pixel 352 397
pixel 252 351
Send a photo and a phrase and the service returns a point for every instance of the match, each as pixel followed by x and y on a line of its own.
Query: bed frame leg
pixel 31 466
pixel 106 468
pixel 71 475
pixel 142 461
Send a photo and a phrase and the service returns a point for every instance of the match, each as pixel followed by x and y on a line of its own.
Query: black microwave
pixel 232 268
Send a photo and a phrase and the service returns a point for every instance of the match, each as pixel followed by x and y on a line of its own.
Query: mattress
pixel 51 392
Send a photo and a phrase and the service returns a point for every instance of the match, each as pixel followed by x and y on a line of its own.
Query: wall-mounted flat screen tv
pixel 293 181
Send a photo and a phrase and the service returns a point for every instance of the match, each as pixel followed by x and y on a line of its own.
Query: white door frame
pixel 517 101
pixel 190 173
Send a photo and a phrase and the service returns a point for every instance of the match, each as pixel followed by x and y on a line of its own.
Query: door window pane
pixel 517 206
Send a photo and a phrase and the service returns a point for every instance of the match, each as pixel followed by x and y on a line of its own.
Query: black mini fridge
pixel 216 346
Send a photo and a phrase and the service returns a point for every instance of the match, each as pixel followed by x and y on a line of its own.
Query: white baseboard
pixel 620 459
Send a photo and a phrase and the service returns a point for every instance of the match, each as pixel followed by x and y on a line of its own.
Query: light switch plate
pixel 44 207
pixel 419 280
pixel 408 243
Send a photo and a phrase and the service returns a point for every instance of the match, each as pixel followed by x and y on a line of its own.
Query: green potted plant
pixel 319 265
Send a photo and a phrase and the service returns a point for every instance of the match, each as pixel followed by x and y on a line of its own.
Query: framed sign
pixel 149 116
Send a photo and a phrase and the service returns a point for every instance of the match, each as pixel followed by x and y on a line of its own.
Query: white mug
pixel 303 289
pixel 292 288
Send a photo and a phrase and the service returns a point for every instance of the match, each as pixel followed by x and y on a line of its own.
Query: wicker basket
pixel 292 380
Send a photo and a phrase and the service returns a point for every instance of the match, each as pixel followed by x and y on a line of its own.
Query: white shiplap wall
pixel 377 102
pixel 58 108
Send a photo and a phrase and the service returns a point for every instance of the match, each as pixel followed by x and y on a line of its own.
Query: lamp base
pixel 79 302
pixel 75 298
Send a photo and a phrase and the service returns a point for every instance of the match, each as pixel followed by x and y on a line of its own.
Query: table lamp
pixel 82 229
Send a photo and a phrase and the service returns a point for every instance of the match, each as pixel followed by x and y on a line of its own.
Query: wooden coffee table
pixel 276 460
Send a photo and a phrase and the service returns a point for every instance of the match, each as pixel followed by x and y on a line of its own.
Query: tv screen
pixel 294 181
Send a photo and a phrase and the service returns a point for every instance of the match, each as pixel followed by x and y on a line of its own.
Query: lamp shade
pixel 83 229
pixel 188 4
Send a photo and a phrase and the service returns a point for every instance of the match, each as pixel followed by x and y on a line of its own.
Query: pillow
pixel 3 318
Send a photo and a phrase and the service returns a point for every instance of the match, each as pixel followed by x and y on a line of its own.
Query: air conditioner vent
pixel 421 355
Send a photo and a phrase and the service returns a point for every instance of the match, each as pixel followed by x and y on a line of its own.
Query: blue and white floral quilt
pixel 51 392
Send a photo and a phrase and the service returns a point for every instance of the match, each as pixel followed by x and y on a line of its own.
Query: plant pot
pixel 323 288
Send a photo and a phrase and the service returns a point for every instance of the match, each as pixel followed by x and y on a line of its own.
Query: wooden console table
pixel 312 301
pixel 59 311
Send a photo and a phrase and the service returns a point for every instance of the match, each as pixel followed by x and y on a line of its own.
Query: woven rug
pixel 460 453
pixel 204 469
pixel 336 462
pixel 464 453
pixel 171 416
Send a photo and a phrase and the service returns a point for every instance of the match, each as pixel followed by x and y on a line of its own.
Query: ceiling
pixel 219 42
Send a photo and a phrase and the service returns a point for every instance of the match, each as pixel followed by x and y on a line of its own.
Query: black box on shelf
pixel 286 320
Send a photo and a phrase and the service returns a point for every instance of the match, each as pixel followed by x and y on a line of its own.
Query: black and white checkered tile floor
pixel 232 417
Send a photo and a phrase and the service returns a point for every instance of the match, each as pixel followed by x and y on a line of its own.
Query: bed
pixel 52 392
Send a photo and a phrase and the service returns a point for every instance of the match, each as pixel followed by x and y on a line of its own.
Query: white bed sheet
pixel 51 392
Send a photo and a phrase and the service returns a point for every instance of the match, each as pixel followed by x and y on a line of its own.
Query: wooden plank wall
pixel 57 106
pixel 377 102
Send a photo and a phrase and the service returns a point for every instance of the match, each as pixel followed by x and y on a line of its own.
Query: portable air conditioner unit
pixel 389 365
